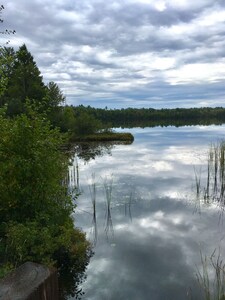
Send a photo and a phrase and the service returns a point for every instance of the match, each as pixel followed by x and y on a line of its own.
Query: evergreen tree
pixel 24 82
pixel 54 95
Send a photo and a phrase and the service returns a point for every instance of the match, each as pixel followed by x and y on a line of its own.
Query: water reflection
pixel 90 150
pixel 108 185
pixel 151 249
pixel 73 181
pixel 215 185
pixel 92 189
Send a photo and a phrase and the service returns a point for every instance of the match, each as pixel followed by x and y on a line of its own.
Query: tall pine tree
pixel 25 82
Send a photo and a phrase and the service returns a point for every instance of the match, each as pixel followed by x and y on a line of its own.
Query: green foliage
pixel 54 95
pixel 25 80
pixel 5 31
pixel 86 124
pixel 7 56
pixel 21 79
pixel 63 117
pixel 35 208
pixel 78 125
pixel 31 241
pixel 29 158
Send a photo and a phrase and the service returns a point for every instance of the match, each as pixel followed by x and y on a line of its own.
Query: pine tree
pixel 26 80
pixel 54 95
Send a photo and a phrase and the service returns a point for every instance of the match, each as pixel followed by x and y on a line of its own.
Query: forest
pixel 149 117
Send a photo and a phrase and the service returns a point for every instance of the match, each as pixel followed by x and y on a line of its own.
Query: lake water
pixel 140 208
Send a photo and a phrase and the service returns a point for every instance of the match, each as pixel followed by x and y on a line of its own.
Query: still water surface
pixel 139 208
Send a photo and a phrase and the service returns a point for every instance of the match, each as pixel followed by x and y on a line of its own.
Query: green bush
pixel 86 124
pixel 35 208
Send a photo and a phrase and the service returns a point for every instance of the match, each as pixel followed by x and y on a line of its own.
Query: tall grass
pixel 214 188
pixel 108 186
pixel 211 277
pixel 197 182
pixel 127 206
pixel 72 179
pixel 92 189
pixel 215 154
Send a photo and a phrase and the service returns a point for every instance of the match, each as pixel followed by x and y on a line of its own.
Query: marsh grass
pixel 108 186
pixel 92 189
pixel 197 182
pixel 213 191
pixel 127 207
pixel 211 277
pixel 215 154
pixel 72 179
pixel 198 192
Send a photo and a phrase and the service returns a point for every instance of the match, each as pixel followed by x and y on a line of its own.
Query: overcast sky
pixel 126 53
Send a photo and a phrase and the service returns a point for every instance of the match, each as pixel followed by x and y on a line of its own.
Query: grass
pixel 212 276
pixel 72 180
pixel 92 189
pixel 108 185
pixel 214 188
pixel 197 183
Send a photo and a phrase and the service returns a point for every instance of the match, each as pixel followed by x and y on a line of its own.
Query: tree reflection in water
pixel 71 279
pixel 71 271
pixel 89 150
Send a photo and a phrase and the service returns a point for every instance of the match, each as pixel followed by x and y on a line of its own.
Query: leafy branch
pixel 6 31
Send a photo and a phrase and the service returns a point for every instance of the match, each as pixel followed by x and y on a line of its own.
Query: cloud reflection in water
pixel 155 249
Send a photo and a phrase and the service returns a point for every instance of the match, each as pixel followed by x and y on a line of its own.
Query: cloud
pixel 154 251
pixel 125 53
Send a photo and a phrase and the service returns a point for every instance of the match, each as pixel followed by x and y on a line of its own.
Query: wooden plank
pixel 30 281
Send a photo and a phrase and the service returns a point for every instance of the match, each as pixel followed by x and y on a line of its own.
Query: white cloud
pixel 131 51
pixel 197 73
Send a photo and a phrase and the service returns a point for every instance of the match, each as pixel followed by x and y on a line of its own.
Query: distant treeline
pixel 133 117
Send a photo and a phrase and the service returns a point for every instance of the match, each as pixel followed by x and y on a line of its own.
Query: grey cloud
pixel 128 29
pixel 158 257
pixel 138 14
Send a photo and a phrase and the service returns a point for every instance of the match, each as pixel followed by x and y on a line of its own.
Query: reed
pixel 209 168
pixel 92 189
pixel 127 206
pixel 216 167
pixel 197 182
pixel 222 171
pixel 214 188
pixel 211 278
pixel 108 186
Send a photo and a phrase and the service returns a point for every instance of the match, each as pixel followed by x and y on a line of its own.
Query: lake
pixel 144 209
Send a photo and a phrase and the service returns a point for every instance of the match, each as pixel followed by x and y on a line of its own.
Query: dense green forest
pixel 148 117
